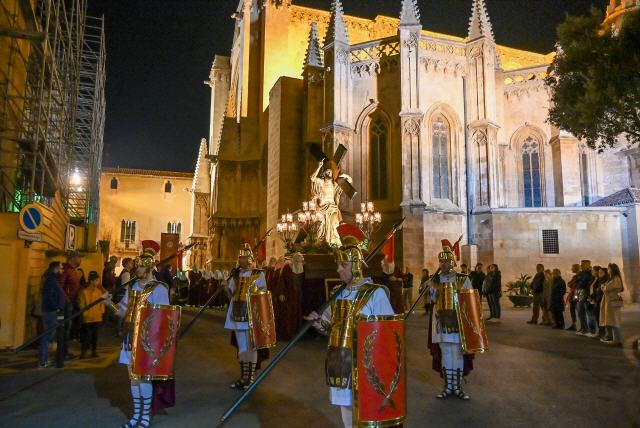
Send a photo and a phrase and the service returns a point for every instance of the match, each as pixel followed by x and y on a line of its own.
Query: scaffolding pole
pixel 52 105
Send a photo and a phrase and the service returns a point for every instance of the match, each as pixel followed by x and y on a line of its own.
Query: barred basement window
pixel 550 241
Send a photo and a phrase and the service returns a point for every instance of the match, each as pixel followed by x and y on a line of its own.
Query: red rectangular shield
pixel 473 334
pixel 262 324
pixel 154 342
pixel 379 372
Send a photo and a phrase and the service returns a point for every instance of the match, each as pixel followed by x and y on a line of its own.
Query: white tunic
pixel 159 296
pixel 261 282
pixel 437 336
pixel 378 304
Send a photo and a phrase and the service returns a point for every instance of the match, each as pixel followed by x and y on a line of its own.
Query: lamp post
pixel 310 220
pixel 368 219
pixel 288 230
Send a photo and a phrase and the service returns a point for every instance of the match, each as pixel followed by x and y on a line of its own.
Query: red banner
pixel 169 245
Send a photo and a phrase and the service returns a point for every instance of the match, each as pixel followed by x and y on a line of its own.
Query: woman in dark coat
pixel 558 290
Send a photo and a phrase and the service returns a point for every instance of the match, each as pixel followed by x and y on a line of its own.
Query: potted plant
pixel 519 291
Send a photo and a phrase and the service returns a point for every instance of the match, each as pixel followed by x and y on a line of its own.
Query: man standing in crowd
pixel 571 296
pixel 558 289
pixel 464 270
pixel 70 283
pixel 537 287
pixel 407 290
pixel 109 274
pixel 583 283
pixel 477 278
pixel 123 278
pixel 53 300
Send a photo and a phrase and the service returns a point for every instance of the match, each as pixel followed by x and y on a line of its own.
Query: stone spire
pixel 479 24
pixel 409 14
pixel 337 30
pixel 313 57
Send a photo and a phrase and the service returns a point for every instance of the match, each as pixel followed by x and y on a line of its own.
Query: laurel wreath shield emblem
pixel 168 341
pixel 372 375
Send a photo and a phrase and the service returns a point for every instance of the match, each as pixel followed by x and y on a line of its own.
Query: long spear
pixel 218 291
pixel 94 303
pixel 396 227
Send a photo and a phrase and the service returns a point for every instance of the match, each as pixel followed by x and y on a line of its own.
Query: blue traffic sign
pixel 31 218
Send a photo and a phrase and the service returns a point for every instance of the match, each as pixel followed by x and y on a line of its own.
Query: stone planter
pixel 521 301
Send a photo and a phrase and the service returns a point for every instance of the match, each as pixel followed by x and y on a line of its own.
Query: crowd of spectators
pixel 592 295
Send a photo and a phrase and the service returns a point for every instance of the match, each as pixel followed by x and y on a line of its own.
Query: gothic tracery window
pixel 441 155
pixel 531 173
pixel 378 142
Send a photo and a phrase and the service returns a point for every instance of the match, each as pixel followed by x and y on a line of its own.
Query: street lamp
pixel 287 229
pixel 368 219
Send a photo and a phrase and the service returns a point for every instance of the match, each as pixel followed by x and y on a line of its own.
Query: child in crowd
pixel 91 318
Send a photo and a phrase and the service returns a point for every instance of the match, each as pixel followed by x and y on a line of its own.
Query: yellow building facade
pixel 141 204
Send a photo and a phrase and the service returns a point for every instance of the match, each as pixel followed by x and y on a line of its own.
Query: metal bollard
pixel 60 339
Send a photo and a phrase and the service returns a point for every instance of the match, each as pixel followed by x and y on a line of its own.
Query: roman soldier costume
pixel 362 379
pixel 250 316
pixel 149 344
pixel 456 330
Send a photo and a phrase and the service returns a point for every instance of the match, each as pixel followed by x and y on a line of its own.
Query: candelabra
pixel 310 220
pixel 368 219
pixel 288 230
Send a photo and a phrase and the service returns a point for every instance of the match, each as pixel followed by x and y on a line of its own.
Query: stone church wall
pixel 596 234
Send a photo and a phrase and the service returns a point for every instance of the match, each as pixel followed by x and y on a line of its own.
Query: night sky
pixel 159 53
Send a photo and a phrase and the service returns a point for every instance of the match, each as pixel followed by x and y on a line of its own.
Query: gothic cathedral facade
pixel 448 132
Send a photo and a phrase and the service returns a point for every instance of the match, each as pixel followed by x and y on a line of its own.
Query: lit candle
pixel 370 206
pixel 305 205
pixel 363 207
pixel 359 218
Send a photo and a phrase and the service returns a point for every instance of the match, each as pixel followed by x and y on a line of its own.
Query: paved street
pixel 532 376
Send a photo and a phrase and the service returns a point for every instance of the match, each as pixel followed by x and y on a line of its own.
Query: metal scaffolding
pixel 52 105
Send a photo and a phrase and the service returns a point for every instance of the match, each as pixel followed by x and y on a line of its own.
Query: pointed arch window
pixel 378 144
pixel 531 173
pixel 441 139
